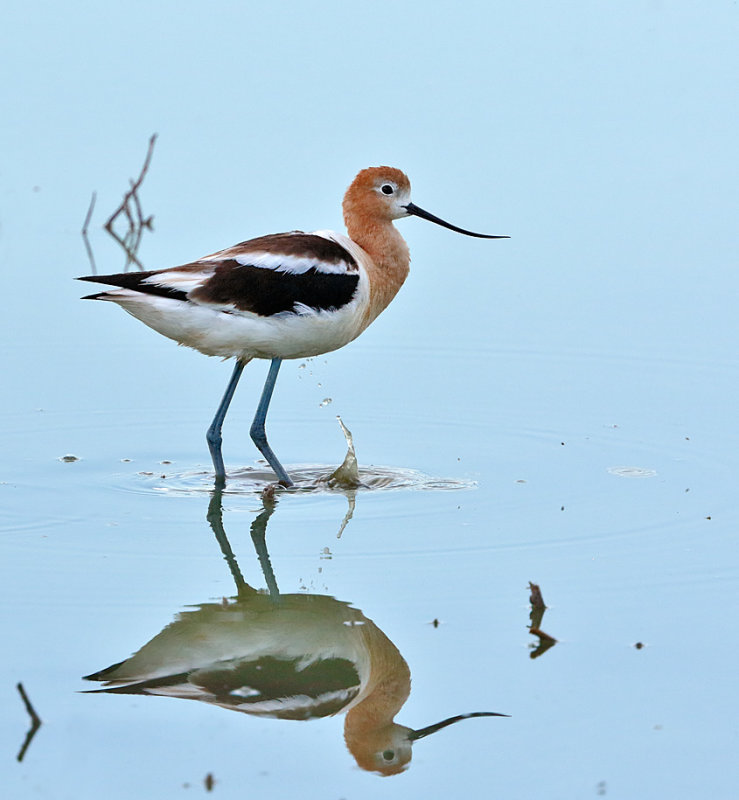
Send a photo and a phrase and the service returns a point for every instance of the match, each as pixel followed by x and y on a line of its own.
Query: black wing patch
pixel 269 678
pixel 330 684
pixel 266 292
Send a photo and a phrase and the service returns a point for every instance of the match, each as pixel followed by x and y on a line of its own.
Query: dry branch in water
pixel 129 208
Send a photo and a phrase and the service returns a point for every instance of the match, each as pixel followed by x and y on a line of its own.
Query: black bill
pixel 415 211
pixel 421 732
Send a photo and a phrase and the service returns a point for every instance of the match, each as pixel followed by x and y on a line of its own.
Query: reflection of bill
pixel 285 656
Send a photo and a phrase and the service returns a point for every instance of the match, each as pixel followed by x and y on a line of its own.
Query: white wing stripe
pixel 182 281
pixel 291 264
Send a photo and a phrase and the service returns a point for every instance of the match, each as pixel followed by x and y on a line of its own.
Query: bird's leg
pixel 259 437
pixel 214 432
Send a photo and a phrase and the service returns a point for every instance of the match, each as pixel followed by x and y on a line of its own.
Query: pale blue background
pixel 603 138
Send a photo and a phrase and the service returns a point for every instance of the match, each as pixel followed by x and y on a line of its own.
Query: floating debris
pixel 535 598
pixel 536 616
pixel 632 472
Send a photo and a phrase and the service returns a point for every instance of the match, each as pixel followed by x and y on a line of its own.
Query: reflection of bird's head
pixel 386 751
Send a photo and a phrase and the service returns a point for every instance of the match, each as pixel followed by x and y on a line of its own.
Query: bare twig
pixel 35 721
pixel 136 223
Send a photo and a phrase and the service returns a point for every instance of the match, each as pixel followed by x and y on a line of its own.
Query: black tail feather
pixel 134 281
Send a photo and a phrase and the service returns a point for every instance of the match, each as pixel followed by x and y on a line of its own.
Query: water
pixel 558 408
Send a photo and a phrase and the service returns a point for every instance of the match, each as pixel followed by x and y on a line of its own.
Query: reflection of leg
pixel 259 537
pixel 214 432
pixel 215 520
pixel 258 435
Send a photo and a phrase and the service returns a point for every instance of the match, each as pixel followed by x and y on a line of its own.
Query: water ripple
pixel 308 478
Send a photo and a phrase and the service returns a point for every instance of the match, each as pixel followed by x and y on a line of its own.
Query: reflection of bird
pixel 298 657
pixel 288 295
pixel 287 656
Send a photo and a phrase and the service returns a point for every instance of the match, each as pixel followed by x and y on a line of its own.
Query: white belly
pixel 245 335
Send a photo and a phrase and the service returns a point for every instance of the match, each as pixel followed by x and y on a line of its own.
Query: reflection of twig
pixel 536 616
pixel 85 226
pixel 35 721
pixel 545 642
pixel 130 207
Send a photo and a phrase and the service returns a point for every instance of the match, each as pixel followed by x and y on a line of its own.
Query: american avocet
pixel 287 295
pixel 284 656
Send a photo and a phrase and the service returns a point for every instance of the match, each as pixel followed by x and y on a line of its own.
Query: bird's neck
pixel 390 259
pixel 388 688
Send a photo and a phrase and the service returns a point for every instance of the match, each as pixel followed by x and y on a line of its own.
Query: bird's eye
pixel 388 755
pixel 387 188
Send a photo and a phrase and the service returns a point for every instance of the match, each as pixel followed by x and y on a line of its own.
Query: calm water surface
pixel 559 408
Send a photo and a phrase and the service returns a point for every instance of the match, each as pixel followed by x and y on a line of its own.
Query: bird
pixel 281 296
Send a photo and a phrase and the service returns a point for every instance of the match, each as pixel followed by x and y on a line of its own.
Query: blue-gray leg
pixel 259 437
pixel 214 432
